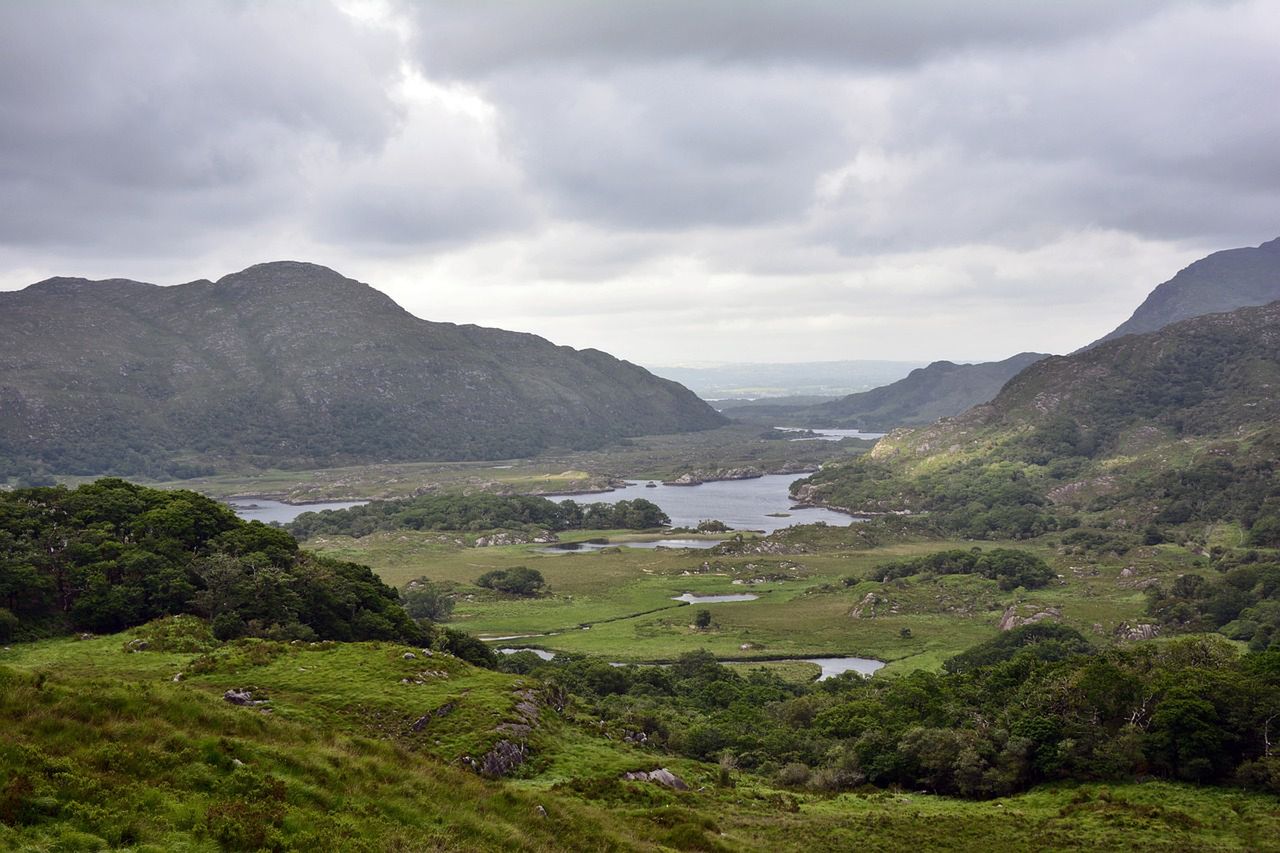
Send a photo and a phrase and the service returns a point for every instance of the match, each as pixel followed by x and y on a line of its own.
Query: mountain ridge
pixel 293 363
pixel 1219 282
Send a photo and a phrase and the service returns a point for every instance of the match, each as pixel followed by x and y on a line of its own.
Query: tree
pixel 425 600
pixel 702 620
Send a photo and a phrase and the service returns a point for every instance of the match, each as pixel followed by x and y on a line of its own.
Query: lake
pixel 762 503
pixel 741 504
pixel 267 511
pixel 833 434
pixel 714 599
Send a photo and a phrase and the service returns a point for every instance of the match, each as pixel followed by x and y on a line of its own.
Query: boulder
pixel 661 776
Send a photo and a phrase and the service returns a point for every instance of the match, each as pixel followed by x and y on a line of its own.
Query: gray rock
pixel 661 776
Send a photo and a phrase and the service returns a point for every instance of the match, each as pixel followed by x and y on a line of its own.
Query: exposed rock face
pixel 1135 633
pixel 500 761
pixel 865 609
pixel 1223 281
pixel 1013 619
pixel 697 478
pixel 516 537
pixel 243 697
pixel 661 776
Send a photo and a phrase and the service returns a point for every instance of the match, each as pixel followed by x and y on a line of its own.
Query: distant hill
pixel 286 364
pixel 1178 425
pixel 799 379
pixel 1223 281
pixel 940 390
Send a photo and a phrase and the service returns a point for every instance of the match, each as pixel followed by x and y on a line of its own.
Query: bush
pixel 8 625
pixel 520 580
pixel 425 600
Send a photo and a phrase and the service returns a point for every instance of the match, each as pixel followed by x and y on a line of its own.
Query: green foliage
pixel 518 580
pixel 479 512
pixel 425 600
pixel 1043 641
pixel 1242 601
pixel 702 619
pixel 1010 567
pixel 112 554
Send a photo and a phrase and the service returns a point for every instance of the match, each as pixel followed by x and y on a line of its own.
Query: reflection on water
pixel 831 667
pixel 741 504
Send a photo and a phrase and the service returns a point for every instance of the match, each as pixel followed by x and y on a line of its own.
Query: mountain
pixel 1173 426
pixel 1223 281
pixel 942 389
pixel 287 364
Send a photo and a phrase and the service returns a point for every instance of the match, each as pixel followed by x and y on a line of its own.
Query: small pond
pixel 831 667
pixel 714 599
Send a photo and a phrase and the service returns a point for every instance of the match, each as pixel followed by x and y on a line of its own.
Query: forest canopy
pixel 111 554
pixel 479 512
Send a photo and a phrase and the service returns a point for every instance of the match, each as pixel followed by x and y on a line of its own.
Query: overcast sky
pixel 673 181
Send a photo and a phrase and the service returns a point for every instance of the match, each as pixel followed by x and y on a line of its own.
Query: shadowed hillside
pixel 288 364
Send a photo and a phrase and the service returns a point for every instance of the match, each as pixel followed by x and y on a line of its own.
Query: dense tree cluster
pixel 975 499
pixel 1010 567
pixel 479 512
pixel 518 580
pixel 111 554
pixel 1036 704
pixel 1242 601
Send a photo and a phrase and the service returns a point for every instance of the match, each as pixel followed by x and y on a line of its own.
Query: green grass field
pixel 101 749
pixel 618 602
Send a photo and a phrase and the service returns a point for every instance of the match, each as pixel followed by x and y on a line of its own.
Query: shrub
pixel 520 580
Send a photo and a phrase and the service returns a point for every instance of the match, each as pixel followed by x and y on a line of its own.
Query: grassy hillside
pixel 287 365
pixel 1168 428
pixel 101 749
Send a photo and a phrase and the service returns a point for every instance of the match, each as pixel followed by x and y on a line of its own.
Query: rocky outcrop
pixel 516 537
pixel 1012 618
pixel 661 776
pixel 865 609
pixel 243 697
pixel 502 760
pixel 698 477
pixel 1135 633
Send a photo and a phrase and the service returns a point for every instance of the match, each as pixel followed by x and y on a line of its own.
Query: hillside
pixel 1173 426
pixel 1223 281
pixel 940 390
pixel 288 364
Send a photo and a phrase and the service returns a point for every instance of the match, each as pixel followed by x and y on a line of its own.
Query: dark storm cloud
pixel 846 178
pixel 480 37
pixel 151 120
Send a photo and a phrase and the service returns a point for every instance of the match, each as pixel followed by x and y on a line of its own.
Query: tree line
pixel 479 512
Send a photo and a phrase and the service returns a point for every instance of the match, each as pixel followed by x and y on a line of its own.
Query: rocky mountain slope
pixel 1223 281
pixel 940 390
pixel 1179 424
pixel 292 364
